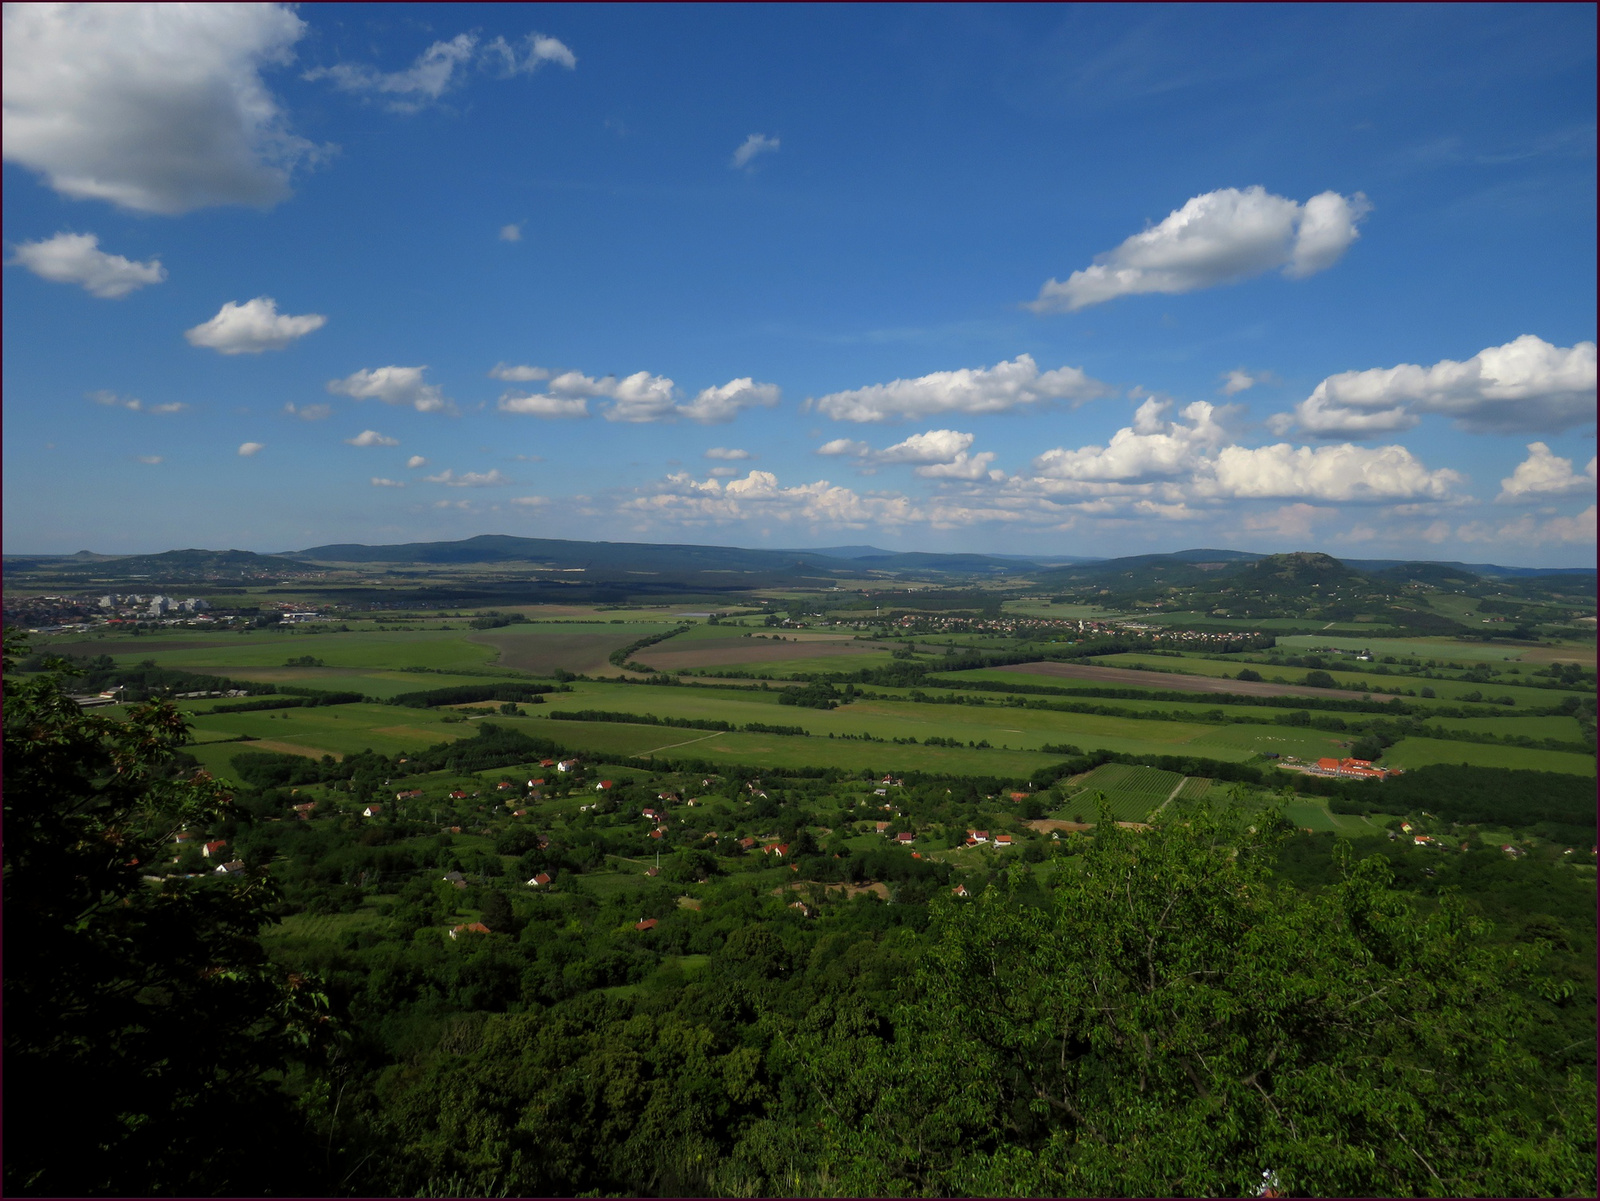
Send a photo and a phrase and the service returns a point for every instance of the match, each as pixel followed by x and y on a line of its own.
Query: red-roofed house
pixel 977 836
pixel 372 811
pixel 648 923
pixel 213 848
pixel 602 786
pixel 542 880
pixel 470 928
pixel 503 785
pixel 1019 796
pixel 905 838
pixel 960 890
pixel 1002 840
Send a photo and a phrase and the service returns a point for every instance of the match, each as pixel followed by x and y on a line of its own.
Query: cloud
pixel 543 405
pixel 998 389
pixel 1216 238
pixel 1151 448
pixel 379 482
pixel 248 449
pixel 1527 384
pixel 395 386
pixel 435 70
pixel 77 259
pixel 416 461
pixel 936 454
pixel 717 406
pixel 537 49
pixel 845 446
pixel 1542 474
pixel 682 499
pixel 517 374
pixel 252 327
pixel 637 398
pixel 511 233
pixel 756 143
pixel 371 438
pixel 468 479
pixel 1328 473
pixel 1534 531
pixel 158 108
pixel 730 453
pixel 309 412
pixel 148 460
pixel 1239 380
pixel 106 397
pixel 531 502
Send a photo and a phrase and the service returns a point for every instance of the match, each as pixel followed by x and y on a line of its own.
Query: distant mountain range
pixel 719 567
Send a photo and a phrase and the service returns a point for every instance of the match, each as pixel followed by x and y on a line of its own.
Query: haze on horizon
pixel 1095 281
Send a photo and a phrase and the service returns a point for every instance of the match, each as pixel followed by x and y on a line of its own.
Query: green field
pixel 1132 793
pixel 1445 690
pixel 1440 649
pixel 1420 752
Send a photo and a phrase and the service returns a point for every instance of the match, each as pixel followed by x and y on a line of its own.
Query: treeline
pixel 623 656
pixel 1560 804
pixel 291 702
pixel 467 694
pixel 683 723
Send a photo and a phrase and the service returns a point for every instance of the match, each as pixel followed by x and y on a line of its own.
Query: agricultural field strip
pixel 1446 689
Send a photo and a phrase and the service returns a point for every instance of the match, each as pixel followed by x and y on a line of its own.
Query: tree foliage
pixel 1172 1022
pixel 143 1024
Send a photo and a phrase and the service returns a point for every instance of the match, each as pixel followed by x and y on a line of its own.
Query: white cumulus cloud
pixel 78 259
pixel 416 461
pixel 372 438
pixel 252 327
pixel 106 397
pixel 468 479
pixel 731 453
pixel 379 481
pixel 308 412
pixel 148 460
pixel 1527 384
pixel 511 233
pixel 1216 238
pixel 845 446
pixel 1152 448
pixel 1327 473
pixel 395 386
pixel 756 143
pixel 437 69
pixel 516 374
pixel 637 398
pixel 531 502
pixel 247 449
pixel 716 406
pixel 1543 474
pixel 998 389
pixel 158 108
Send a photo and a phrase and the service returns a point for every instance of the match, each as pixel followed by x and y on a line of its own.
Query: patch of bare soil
pixel 1124 677
pixel 1047 825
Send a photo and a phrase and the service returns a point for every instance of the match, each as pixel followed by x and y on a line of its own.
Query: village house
pixel 542 880
pixel 905 838
pixel 372 811
pixel 566 765
pixel 455 878
pixel 648 923
pixel 213 848
pixel 960 890
pixel 1002 840
pixel 232 868
pixel 470 928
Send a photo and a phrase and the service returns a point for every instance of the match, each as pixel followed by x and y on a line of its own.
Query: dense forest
pixel 1217 1004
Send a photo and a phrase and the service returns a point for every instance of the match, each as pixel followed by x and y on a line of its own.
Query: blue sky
pixel 1035 279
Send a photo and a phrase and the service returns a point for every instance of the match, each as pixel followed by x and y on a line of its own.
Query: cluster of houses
pixel 1351 769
